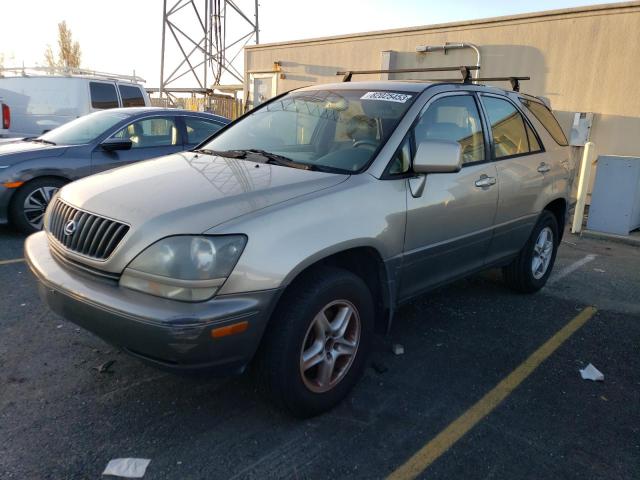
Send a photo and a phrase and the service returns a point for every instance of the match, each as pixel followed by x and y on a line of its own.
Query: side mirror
pixel 113 144
pixel 437 156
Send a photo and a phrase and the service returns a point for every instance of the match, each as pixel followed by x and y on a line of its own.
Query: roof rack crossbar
pixel 465 70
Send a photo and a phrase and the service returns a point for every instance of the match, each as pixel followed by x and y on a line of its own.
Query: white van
pixel 42 99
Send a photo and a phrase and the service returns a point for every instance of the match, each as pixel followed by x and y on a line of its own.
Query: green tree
pixel 69 53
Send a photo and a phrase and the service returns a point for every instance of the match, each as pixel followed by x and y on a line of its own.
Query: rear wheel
pixel 318 341
pixel 30 202
pixel 532 267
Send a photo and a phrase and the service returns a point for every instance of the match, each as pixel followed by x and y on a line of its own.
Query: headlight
pixel 190 268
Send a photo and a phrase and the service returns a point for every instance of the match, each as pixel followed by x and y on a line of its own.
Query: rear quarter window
pixel 198 129
pixel 546 118
pixel 103 95
pixel 131 96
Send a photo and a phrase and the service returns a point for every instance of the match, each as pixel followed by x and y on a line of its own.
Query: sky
pixel 123 36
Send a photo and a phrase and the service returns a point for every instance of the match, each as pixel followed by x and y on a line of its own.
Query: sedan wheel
pixel 30 201
pixel 35 204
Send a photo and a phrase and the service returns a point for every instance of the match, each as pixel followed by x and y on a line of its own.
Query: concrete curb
pixel 612 237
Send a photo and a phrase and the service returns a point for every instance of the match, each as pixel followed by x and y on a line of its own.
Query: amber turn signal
pixel 13 184
pixel 229 329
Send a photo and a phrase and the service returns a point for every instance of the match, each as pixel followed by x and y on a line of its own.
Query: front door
pixel 150 138
pixel 449 226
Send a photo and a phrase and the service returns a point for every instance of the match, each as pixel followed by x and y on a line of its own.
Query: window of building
pixel 546 118
pixel 103 95
pixel 456 119
pixel 507 126
pixel 131 96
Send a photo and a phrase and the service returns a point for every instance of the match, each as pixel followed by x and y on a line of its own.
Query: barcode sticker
pixel 386 96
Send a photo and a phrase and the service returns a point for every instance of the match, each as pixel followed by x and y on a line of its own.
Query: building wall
pixel 583 60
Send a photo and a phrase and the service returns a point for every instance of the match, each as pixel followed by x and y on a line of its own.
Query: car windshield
pixel 333 130
pixel 84 129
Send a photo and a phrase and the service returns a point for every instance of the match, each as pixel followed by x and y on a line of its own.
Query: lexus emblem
pixel 70 227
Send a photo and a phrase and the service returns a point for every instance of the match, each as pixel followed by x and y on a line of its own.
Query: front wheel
pixel 29 203
pixel 531 269
pixel 318 341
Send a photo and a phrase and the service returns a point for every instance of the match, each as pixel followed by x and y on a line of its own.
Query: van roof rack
pixel 465 71
pixel 66 72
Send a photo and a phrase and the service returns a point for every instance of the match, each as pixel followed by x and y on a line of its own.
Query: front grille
pixel 85 233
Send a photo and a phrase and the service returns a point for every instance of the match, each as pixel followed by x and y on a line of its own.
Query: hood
pixel 13 152
pixel 190 193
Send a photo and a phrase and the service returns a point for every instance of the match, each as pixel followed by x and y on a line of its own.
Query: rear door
pixel 520 161
pixel 150 137
pixel 449 226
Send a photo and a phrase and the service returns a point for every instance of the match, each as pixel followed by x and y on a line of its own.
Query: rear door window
pixel 199 129
pixel 507 126
pixel 546 118
pixel 131 96
pixel 103 95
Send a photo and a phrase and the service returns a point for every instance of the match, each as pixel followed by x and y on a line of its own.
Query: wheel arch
pixel 367 263
pixel 558 208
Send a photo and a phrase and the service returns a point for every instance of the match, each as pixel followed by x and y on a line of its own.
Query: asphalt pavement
pixel 63 418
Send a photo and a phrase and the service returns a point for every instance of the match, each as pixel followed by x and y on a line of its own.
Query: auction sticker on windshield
pixel 386 96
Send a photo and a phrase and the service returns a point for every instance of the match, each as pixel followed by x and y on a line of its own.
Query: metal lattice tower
pixel 206 37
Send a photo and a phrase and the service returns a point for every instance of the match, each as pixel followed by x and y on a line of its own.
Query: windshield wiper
pixel 275 159
pixel 38 140
pixel 221 153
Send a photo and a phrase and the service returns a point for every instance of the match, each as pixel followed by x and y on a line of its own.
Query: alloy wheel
pixel 542 252
pixel 35 205
pixel 330 346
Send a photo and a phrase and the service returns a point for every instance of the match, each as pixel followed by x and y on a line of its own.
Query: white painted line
pixel 571 268
pixel 12 261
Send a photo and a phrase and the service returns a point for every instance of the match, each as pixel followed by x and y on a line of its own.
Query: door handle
pixel 485 181
pixel 544 168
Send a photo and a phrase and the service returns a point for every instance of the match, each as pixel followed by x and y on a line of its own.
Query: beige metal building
pixel 582 59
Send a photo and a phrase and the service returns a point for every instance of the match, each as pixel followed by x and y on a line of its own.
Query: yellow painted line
pixel 428 454
pixel 9 262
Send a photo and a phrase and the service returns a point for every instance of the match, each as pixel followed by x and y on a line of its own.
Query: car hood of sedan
pixel 14 152
pixel 190 193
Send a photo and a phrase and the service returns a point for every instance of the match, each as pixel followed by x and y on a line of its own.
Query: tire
pixel 294 328
pixel 37 194
pixel 522 275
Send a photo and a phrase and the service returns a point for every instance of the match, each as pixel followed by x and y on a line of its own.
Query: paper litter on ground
pixel 591 373
pixel 127 467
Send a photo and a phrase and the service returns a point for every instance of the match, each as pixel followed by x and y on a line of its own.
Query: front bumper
pixel 170 334
pixel 5 199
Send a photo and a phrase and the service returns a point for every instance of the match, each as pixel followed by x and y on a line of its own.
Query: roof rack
pixel 465 71
pixel 67 72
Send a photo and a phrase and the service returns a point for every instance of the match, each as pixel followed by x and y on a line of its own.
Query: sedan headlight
pixel 188 268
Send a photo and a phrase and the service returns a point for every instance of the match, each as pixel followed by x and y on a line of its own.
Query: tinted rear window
pixel 103 95
pixel 131 96
pixel 198 129
pixel 546 118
